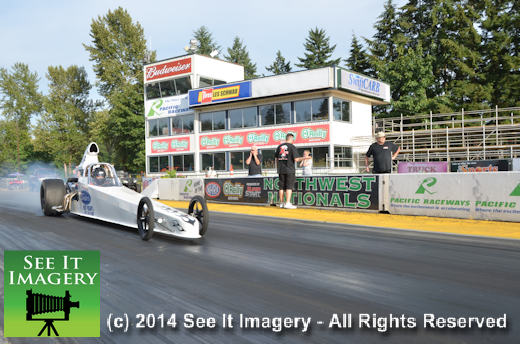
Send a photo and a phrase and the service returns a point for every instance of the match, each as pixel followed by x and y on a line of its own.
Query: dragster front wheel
pixel 199 210
pixel 145 218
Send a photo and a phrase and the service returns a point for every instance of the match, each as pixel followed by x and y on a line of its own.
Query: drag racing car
pixel 98 193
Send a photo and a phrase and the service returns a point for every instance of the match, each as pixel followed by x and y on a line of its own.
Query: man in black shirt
pixel 286 154
pixel 255 163
pixel 384 152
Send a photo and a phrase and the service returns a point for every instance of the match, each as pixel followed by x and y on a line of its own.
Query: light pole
pixel 18 145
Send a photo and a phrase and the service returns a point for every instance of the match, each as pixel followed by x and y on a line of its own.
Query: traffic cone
pixel 231 170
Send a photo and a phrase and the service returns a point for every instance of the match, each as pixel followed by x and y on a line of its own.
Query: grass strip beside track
pixel 423 223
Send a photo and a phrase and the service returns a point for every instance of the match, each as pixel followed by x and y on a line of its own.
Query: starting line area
pixel 420 223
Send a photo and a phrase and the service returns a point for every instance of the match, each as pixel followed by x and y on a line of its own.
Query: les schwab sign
pixel 168 69
pixel 220 93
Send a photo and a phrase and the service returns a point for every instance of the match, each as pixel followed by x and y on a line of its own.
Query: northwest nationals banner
pixel 358 191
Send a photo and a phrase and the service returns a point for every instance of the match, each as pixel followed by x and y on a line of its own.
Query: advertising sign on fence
pixel 189 188
pixel 264 137
pixel 241 190
pixel 360 192
pixel 516 164
pixel 423 167
pixel 480 196
pixel 480 166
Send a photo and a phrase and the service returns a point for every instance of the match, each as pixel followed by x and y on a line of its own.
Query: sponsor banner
pixel 148 180
pixel 480 166
pixel 171 145
pixel 423 167
pixel 516 164
pixel 480 196
pixel 51 293
pixel 361 192
pixel 222 93
pixel 264 137
pixel 241 190
pixel 364 85
pixel 188 188
pixel 176 105
pixel 168 69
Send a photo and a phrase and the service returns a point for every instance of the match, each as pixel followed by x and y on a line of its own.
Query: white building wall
pixel 213 68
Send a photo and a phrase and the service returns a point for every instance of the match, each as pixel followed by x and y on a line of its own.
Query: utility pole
pixel 18 145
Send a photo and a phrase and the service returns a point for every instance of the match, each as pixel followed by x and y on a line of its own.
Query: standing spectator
pixel 307 163
pixel 255 162
pixel 287 155
pixel 383 152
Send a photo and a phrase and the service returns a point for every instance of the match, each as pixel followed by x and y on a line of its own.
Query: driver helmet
pixel 99 176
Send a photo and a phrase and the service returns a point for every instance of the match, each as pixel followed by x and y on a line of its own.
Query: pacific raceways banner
pixel 479 196
pixel 355 191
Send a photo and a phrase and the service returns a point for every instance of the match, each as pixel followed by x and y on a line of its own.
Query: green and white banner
pixel 170 106
pixel 479 196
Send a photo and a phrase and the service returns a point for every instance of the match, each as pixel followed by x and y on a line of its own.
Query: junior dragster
pixel 98 193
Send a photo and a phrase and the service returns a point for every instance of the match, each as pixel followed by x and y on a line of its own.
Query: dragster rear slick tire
pixel 52 192
pixel 145 218
pixel 201 213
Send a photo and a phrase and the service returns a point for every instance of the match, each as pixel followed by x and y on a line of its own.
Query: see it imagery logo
pixel 51 293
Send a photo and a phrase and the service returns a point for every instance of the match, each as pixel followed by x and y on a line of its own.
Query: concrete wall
pixel 479 196
pixel 179 189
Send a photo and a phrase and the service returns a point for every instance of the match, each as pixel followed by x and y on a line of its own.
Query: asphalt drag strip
pixel 270 279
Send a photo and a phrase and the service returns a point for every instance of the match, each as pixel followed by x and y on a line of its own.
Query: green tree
pixel 100 130
pixel 389 35
pixel 410 74
pixel 501 64
pixel 358 60
pixel 62 131
pixel 118 51
pixel 319 51
pixel 461 44
pixel 206 44
pixel 239 54
pixel 279 66
pixel 20 101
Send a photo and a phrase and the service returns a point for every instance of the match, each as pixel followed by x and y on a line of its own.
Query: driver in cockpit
pixel 99 177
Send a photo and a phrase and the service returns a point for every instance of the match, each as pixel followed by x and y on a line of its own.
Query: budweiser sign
pixel 168 69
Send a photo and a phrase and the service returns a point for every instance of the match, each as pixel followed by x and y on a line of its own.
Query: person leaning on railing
pixel 383 152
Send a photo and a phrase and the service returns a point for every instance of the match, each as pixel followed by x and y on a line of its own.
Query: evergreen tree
pixel 358 60
pixel 319 51
pixel 238 54
pixel 501 63
pixel 387 45
pixel 426 22
pixel 20 101
pixel 279 66
pixel 410 74
pixel 118 50
pixel 389 34
pixel 62 131
pixel 461 46
pixel 206 44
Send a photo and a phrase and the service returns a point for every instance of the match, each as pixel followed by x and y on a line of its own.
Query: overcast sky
pixel 44 33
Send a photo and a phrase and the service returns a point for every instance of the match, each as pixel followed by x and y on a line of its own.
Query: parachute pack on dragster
pixel 98 193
